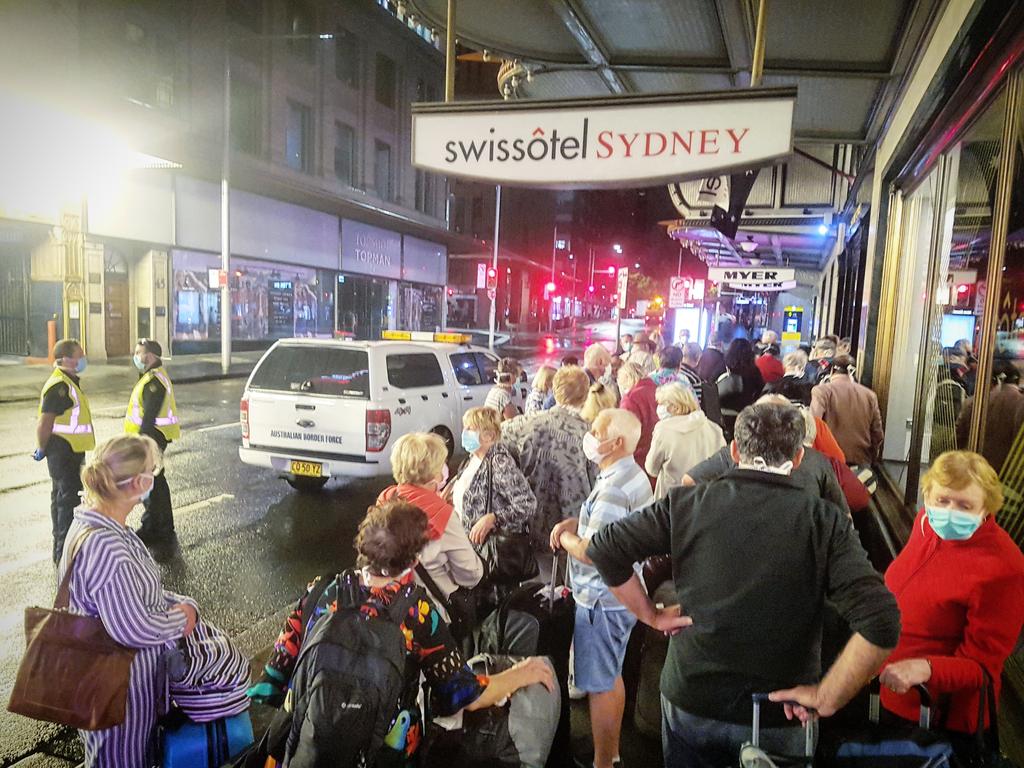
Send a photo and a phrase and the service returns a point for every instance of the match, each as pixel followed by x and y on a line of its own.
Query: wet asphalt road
pixel 249 543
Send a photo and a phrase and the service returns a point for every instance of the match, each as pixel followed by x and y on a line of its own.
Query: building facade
pixel 332 231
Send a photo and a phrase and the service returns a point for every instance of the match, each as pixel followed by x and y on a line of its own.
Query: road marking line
pixel 204 503
pixel 218 426
pixel 23 486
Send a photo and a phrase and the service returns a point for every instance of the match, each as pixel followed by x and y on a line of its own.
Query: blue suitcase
pixel 205 745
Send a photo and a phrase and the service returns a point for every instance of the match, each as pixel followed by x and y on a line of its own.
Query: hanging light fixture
pixel 748 245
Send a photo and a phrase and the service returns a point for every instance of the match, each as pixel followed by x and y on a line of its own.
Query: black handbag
pixel 509 554
pixel 460 605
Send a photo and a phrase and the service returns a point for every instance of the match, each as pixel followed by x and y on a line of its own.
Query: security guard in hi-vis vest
pixel 152 411
pixel 63 434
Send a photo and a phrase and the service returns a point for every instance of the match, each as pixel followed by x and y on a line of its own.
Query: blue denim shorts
pixel 599 647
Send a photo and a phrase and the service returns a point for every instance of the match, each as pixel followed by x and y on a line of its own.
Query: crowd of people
pixel 737 464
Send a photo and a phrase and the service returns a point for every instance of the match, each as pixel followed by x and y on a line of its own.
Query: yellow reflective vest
pixel 166 420
pixel 75 424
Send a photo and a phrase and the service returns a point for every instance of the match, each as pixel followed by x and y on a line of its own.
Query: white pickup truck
pixel 313 409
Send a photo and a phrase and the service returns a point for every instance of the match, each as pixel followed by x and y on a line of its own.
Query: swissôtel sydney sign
pixel 614 141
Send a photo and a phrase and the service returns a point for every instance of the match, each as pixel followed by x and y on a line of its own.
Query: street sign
pixel 679 292
pixel 623 285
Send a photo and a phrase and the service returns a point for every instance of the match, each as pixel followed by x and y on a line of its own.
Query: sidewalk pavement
pixel 20 381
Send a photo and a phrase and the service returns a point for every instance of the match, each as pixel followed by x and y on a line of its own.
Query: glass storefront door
pixel 365 307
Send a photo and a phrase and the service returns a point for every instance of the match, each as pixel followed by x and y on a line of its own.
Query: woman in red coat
pixel 959 583
pixel 638 397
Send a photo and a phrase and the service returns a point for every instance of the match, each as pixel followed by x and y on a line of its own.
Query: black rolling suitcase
pixel 892 746
pixel 752 755
pixel 538 620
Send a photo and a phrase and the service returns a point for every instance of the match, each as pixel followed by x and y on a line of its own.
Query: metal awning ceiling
pixel 846 58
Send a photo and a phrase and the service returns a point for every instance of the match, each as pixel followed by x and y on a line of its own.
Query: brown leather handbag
pixel 73 672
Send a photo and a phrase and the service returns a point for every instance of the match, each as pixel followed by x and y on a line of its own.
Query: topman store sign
pixel 619 141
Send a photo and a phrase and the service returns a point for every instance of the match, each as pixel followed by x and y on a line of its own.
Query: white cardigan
pixel 679 444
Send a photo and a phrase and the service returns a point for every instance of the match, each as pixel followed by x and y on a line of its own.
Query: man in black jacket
pixel 754 557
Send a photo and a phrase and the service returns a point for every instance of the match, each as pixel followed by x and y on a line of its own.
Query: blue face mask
pixel 81 364
pixel 952 524
pixel 470 440
pixel 139 362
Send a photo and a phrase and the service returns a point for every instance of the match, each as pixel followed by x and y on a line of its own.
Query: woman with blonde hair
pixel 683 437
pixel 542 382
pixel 114 578
pixel 599 398
pixel 419 464
pixel 638 398
pixel 959 583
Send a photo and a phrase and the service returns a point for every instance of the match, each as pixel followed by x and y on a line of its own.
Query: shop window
pixel 299 138
pixel 382 170
pixel 466 372
pixel 346 57
pixel 300 24
pixel 420 307
pixel 407 371
pixel 384 81
pixel 946 227
pixel 345 153
pixel 246 116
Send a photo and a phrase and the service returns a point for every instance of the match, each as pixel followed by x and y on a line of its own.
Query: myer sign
pixel 604 142
pixel 751 279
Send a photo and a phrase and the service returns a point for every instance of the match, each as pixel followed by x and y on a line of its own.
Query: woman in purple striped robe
pixel 115 578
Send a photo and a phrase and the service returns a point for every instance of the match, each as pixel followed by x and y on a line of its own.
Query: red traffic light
pixel 550 287
pixel 611 270
pixel 492 272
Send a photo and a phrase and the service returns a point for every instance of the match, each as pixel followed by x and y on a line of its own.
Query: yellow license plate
pixel 307 468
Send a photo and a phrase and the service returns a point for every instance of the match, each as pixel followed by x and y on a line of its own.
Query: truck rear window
pixel 314 370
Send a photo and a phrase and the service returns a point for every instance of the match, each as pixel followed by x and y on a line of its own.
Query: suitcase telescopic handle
pixel 924 717
pixel 810 727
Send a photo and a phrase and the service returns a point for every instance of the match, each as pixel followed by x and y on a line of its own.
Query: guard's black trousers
pixel 65 467
pixel 157 518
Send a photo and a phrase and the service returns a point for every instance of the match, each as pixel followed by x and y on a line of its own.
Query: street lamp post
pixel 225 192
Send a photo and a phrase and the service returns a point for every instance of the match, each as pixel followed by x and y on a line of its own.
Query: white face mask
pixel 592 448
pixel 663 412
pixel 760 465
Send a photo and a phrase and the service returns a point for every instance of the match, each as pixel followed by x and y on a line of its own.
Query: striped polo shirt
pixel 620 489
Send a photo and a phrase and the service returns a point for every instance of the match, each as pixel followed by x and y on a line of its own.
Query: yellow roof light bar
pixel 440 338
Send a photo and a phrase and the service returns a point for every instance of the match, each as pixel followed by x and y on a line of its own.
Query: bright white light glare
pixel 326 37
pixel 822 229
pixel 51 157
pixel 637 265
pixel 617 248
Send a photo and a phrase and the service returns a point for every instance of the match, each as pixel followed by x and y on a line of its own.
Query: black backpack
pixel 348 682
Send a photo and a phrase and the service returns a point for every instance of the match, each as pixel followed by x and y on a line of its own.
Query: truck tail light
pixel 243 416
pixel 378 429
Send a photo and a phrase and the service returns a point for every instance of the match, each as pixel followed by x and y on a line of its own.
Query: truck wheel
pixel 307 484
pixel 446 435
